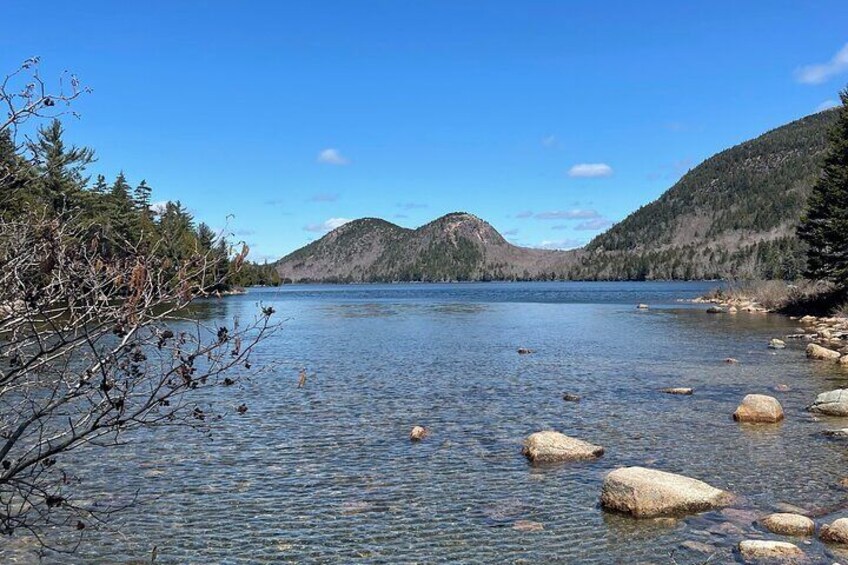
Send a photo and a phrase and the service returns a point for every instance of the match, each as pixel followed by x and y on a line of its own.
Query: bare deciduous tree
pixel 94 348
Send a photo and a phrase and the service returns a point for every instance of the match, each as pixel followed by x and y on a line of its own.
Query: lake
pixel 327 474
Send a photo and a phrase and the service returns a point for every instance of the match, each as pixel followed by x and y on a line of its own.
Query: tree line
pixel 47 176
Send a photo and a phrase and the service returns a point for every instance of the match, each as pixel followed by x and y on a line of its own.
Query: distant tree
pixel 824 228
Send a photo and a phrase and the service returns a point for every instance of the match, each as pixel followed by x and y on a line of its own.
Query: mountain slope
pixel 457 246
pixel 734 215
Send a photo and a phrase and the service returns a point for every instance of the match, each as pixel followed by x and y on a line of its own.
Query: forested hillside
pixel 455 247
pixel 116 218
pixel 734 215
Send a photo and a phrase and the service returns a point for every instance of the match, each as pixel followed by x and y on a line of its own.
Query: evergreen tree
pixel 121 211
pixel 141 196
pixel 824 228
pixel 60 168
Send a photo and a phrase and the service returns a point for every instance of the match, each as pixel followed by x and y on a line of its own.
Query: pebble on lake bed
pixel 759 409
pixel 418 433
pixel 528 526
pixel 549 446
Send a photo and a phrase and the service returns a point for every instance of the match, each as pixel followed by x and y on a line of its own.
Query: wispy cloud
pixel 550 141
pixel 324 197
pixel 590 170
pixel 822 72
pixel 400 216
pixel 332 157
pixel 575 214
pixel 326 226
pixel 562 244
pixel 827 105
pixel 410 205
pixel 511 232
pixel 593 225
pixel 524 214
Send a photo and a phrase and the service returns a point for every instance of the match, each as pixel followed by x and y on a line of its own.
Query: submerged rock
pixel 822 353
pixel 775 343
pixel 648 493
pixel 839 434
pixel 782 388
pixel 678 390
pixel 731 361
pixel 715 310
pixel 759 409
pixel 418 433
pixel 837 532
pixel 758 550
pixel 641 306
pixel 787 524
pixel 831 403
pixel 528 526
pixel 549 446
pixel 525 351
pixel 568 397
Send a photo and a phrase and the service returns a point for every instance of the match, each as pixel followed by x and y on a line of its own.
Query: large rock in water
pixel 648 493
pixel 759 409
pixel 831 403
pixel 822 353
pixel 548 446
pixel 837 532
pixel 764 550
pixel 787 524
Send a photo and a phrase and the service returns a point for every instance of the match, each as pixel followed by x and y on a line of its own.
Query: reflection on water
pixel 327 473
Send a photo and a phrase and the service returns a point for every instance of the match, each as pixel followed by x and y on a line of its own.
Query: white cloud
pixel 562 244
pixel 827 105
pixel 817 74
pixel 326 226
pixel 332 157
pixel 158 208
pixel 590 170
pixel 576 214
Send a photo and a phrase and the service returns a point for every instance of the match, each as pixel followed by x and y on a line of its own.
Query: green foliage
pixel 824 227
pixel 117 219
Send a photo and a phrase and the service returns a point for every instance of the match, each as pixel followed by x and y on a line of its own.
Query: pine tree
pixel 60 168
pixel 141 196
pixel 824 228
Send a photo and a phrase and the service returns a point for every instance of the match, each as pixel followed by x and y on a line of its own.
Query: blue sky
pixel 548 119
